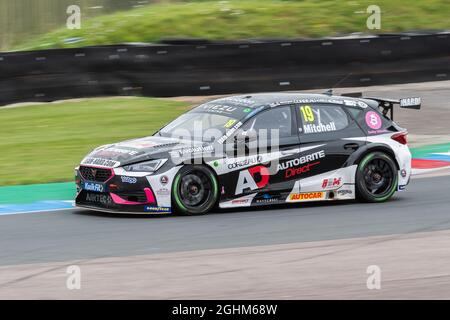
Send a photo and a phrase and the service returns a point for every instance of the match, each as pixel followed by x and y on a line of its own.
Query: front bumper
pixel 110 192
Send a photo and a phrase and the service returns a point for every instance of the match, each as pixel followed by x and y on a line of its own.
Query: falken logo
pixel 130 180
pixel 248 179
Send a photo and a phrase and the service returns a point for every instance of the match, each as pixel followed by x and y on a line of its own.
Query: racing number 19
pixel 308 114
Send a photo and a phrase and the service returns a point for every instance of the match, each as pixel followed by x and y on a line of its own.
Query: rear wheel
pixel 195 190
pixel 376 178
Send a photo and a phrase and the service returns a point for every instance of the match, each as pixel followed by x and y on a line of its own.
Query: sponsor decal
pixel 402 188
pixel 248 179
pixel 362 104
pixel 100 162
pixel 266 198
pixel 410 102
pixel 198 149
pixel 354 103
pixel 240 201
pixel 309 116
pixel 292 172
pixel 140 144
pixel 247 110
pixel 130 180
pixel 319 128
pixel 403 173
pixel 163 192
pixel 331 183
pixel 164 180
pixel 350 103
pixel 302 160
pixel 377 131
pixel 220 109
pixel 307 196
pixel 98 198
pixel 308 100
pixel 243 101
pixel 154 209
pixel 373 120
pixel 344 192
pixel 245 163
pixel 229 123
pixel 229 132
pixel 91 186
pixel 216 164
pixel 116 151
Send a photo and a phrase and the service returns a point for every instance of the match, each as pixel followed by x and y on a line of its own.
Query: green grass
pixel 43 143
pixel 247 19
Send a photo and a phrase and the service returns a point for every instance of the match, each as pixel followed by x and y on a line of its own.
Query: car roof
pixel 274 99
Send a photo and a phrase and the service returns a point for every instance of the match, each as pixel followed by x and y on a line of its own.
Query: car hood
pixel 138 150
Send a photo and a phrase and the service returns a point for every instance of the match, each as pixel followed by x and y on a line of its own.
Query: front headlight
pixel 148 166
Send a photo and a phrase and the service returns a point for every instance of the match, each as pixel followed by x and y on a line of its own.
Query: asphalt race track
pixel 79 234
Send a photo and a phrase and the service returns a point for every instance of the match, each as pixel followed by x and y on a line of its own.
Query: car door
pixel 325 132
pixel 255 172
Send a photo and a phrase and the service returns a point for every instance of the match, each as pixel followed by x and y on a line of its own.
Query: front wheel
pixel 376 178
pixel 195 190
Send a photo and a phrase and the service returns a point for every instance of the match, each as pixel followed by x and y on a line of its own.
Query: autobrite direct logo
pixel 302 160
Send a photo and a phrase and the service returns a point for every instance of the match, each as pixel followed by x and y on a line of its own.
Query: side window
pixel 278 118
pixel 322 118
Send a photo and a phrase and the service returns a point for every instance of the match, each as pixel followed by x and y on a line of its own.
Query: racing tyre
pixel 195 190
pixel 376 178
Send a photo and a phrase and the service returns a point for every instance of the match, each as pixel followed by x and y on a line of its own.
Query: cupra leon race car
pixel 327 148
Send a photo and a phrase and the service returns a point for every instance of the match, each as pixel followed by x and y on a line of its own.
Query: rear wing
pixel 387 105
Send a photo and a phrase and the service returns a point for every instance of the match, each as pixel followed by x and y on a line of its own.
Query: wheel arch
pixel 357 156
pixel 196 161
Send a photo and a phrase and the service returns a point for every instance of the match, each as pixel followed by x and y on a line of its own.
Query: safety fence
pixel 199 67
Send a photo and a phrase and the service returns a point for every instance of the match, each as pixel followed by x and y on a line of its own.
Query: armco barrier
pixel 202 68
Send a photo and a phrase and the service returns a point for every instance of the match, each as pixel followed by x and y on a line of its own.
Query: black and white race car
pixel 254 150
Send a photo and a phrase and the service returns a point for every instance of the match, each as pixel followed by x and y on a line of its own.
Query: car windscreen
pixel 207 122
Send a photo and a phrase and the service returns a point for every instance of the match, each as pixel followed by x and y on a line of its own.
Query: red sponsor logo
pixel 328 183
pixel 292 172
pixel 252 178
pixel 264 174
pixel 240 201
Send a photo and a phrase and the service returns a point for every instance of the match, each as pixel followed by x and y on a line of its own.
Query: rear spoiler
pixel 387 105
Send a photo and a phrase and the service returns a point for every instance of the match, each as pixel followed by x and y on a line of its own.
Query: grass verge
pixel 243 19
pixel 43 143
